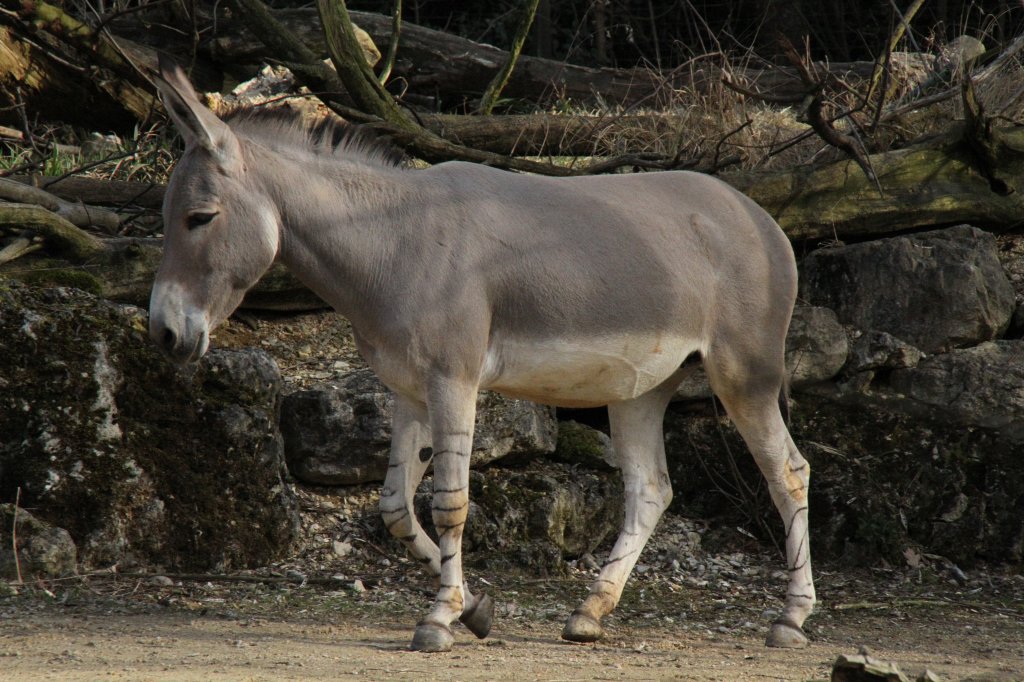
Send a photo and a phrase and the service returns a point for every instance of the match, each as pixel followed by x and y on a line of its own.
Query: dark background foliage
pixel 666 33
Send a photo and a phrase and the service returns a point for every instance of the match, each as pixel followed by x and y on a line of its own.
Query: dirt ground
pixel 344 604
pixel 268 625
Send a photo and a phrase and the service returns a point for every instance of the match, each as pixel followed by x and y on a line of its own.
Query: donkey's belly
pixel 584 372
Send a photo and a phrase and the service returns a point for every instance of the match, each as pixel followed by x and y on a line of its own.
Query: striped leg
pixel 452 414
pixel 760 422
pixel 636 428
pixel 409 460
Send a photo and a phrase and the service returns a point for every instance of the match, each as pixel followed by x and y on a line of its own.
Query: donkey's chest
pixel 584 372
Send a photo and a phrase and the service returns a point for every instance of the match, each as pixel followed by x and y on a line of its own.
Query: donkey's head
pixel 221 230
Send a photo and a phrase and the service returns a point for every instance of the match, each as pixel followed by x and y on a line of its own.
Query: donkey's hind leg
pixel 636 429
pixel 410 456
pixel 752 402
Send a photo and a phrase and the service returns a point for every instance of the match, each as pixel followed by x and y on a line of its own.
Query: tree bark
pixel 347 56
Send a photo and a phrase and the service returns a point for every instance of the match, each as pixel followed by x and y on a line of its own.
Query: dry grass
pixel 713 123
pixel 146 156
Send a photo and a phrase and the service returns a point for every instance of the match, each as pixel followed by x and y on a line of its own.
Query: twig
pixel 497 84
pixel 117 14
pixel 375 548
pixel 1012 49
pixel 92 164
pixel 329 581
pixel 14 535
pixel 729 82
pixel 872 605
pixel 718 146
pixel 816 114
pixel 882 64
pixel 396 31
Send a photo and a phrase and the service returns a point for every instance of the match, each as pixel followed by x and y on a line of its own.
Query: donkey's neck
pixel 341 225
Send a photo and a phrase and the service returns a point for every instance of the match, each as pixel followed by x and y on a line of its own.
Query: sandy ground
pixel 136 628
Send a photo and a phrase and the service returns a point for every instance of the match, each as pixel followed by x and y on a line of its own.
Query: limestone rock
pixel 978 386
pixel 863 668
pixel 140 461
pixel 882 480
pixel 816 346
pixel 44 551
pixel 340 434
pixel 875 350
pixel 935 290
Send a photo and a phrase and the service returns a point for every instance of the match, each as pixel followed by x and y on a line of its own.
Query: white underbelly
pixel 584 372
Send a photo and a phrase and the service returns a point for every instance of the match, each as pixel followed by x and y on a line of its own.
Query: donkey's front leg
pixel 410 456
pixel 452 408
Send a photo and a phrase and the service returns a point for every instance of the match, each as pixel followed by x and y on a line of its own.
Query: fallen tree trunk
pixel 99 192
pixel 437 64
pixel 108 66
pixel 943 182
pixel 120 269
pixel 76 213
pixel 45 86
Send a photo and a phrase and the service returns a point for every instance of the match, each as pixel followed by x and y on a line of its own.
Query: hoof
pixel 582 628
pixel 432 637
pixel 478 620
pixel 785 634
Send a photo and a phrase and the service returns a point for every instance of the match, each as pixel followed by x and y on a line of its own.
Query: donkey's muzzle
pixel 180 345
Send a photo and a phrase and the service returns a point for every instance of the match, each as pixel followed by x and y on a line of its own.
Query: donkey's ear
pixel 197 124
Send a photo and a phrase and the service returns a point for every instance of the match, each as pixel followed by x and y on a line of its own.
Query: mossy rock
pixel 63 277
pixel 44 551
pixel 141 461
pixel 585 445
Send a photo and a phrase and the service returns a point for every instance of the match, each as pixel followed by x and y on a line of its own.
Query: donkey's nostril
pixel 169 339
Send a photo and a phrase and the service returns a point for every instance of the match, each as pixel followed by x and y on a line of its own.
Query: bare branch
pixel 821 124
pixel 500 79
pixel 396 32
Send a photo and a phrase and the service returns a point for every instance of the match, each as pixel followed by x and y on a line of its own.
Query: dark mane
pixel 283 127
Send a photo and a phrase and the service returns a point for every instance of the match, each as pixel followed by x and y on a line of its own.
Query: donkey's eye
pixel 200 218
